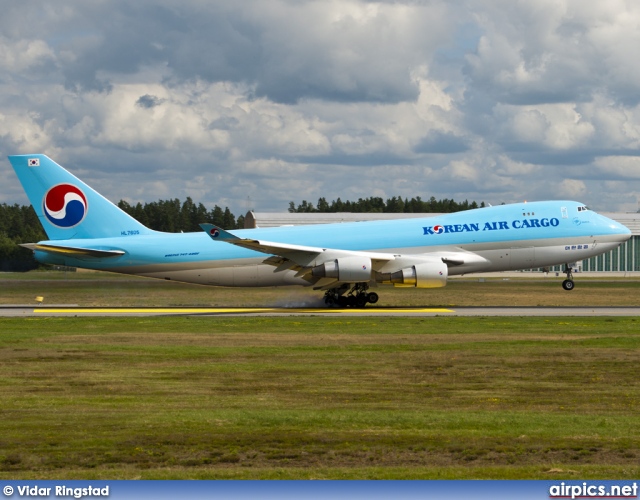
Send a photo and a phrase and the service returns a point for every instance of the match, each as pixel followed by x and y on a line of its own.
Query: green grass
pixel 107 289
pixel 212 397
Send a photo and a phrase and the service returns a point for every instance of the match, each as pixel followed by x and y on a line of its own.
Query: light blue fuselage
pixel 507 237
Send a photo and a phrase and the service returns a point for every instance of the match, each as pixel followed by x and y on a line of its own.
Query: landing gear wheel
pixel 361 300
pixel 335 297
pixel 568 283
pixel 357 296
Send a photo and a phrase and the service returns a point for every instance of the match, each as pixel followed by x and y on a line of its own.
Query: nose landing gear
pixel 568 283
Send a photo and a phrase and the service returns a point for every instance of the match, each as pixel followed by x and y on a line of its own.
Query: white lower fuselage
pixel 251 272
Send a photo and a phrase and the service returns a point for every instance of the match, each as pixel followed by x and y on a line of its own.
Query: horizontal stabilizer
pixel 73 251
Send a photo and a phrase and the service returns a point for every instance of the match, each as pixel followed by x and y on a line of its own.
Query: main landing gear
pixel 356 297
pixel 568 283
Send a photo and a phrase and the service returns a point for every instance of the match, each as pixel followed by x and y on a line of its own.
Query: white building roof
pixel 274 219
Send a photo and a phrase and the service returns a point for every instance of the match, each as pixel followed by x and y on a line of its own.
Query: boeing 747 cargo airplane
pixel 86 230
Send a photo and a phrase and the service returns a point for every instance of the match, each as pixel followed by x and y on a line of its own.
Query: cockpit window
pixel 582 208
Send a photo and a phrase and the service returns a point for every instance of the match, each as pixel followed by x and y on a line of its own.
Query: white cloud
pixel 509 168
pixel 273 100
pixel 619 167
pixel 572 189
pixel 25 132
pixel 23 55
pixel 554 126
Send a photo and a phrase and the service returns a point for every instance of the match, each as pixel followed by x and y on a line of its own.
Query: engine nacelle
pixel 349 269
pixel 424 275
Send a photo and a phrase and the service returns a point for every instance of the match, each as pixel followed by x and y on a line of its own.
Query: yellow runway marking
pixel 228 310
pixel 372 310
pixel 143 310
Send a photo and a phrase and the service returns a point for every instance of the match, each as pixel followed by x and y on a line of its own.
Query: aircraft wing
pixel 316 264
pixel 73 251
pixel 289 256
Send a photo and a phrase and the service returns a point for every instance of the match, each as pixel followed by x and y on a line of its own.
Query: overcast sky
pixel 252 104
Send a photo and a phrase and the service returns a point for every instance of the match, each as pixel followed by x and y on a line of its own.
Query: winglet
pixel 217 233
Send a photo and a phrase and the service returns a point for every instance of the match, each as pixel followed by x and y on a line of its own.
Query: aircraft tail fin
pixel 67 207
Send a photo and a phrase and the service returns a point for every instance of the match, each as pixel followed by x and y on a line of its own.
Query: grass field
pixel 204 397
pixel 106 289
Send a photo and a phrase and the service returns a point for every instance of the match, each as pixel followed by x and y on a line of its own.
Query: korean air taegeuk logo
pixel 65 205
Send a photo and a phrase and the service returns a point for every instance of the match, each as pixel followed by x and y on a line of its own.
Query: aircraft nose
pixel 621 230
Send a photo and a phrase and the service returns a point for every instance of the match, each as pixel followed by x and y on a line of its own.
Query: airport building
pixel 625 258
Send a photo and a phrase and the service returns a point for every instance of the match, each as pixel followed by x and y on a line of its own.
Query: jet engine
pixel 424 275
pixel 349 269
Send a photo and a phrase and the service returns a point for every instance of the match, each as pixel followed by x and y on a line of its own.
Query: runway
pixel 72 310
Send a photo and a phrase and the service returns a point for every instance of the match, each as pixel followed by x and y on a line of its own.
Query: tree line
pixel 20 224
pixel 174 216
pixel 392 205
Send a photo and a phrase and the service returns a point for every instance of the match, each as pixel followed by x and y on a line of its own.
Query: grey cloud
pixel 288 52
pixel 149 101
pixel 357 160
pixel 442 143
pixel 563 53
pixel 553 158
pixel 224 123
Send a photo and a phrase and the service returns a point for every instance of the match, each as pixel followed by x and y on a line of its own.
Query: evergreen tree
pixel 187 212
pixel 18 224
pixel 395 205
pixel 323 206
pixel 240 222
pixel 217 216
pixel 228 220
pixel 375 204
